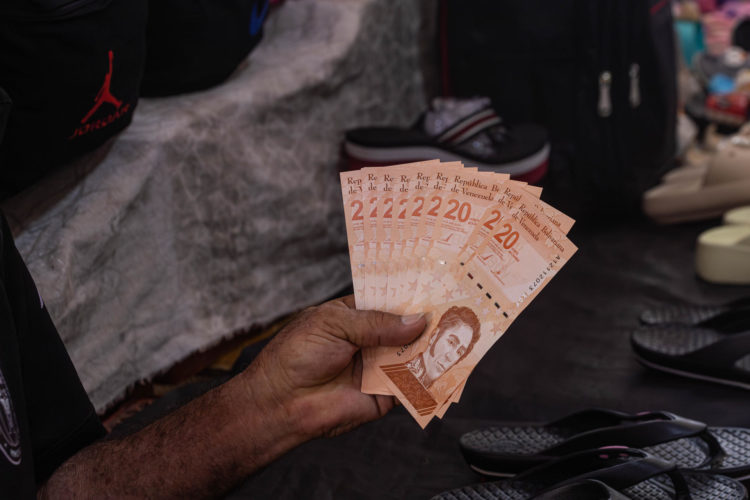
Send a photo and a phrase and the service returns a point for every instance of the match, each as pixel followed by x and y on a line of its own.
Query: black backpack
pixel 196 44
pixel 599 74
pixel 72 69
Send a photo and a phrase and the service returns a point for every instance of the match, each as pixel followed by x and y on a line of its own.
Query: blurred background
pixel 170 167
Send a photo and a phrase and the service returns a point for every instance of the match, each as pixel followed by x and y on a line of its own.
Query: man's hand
pixel 304 384
pixel 313 368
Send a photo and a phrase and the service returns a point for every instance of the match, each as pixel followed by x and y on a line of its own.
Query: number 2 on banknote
pixel 358 206
pixel 389 202
pixel 403 202
pixel 434 210
pixel 374 203
pixel 490 224
pixel 418 211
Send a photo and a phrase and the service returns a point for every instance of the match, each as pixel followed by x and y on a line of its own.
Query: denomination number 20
pixel 507 237
pixel 464 210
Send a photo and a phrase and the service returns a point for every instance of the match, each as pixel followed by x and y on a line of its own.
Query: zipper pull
pixel 635 85
pixel 605 101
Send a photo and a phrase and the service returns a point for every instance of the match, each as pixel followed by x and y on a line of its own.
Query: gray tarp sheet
pixel 218 210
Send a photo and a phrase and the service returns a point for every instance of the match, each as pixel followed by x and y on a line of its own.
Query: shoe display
pixel 585 489
pixel 724 185
pixel 632 472
pixel 728 317
pixel 737 216
pixel 699 353
pixel 507 449
pixel 722 255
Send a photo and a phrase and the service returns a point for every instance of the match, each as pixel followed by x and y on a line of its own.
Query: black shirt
pixel 45 414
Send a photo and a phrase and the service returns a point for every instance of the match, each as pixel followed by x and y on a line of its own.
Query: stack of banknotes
pixel 468 249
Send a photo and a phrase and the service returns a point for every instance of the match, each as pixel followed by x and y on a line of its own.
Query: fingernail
pixel 411 318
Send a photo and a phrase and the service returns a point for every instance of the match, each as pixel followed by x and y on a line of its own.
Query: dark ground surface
pixel 568 351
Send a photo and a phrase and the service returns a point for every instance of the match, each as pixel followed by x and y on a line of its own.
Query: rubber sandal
pixel 466 130
pixel 685 174
pixel 588 489
pixel 699 353
pixel 502 451
pixel 729 317
pixel 739 216
pixel 633 473
pixel 725 185
pixel 722 255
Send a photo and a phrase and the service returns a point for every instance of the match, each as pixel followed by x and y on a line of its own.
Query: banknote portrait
pixel 452 339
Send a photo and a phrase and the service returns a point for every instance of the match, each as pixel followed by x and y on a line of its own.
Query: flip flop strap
pixel 723 353
pixel 468 127
pixel 617 466
pixel 587 488
pixel 730 321
pixel 630 473
pixel 741 302
pixel 636 434
pixel 593 418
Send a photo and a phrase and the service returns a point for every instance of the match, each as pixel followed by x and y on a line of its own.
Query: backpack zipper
pixel 605 98
pixel 635 85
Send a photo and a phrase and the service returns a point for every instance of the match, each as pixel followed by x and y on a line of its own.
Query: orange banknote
pixel 469 249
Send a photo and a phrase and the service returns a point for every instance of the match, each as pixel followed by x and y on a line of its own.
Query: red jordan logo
pixel 104 94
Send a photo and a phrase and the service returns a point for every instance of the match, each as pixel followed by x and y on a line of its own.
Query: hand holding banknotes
pixel 304 384
pixel 313 367
pixel 469 249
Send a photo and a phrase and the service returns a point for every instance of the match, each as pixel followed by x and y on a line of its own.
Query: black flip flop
pixel 503 451
pixel 699 353
pixel 587 489
pixel 521 150
pixel 633 473
pixel 730 317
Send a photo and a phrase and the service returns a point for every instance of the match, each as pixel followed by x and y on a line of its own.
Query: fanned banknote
pixel 468 249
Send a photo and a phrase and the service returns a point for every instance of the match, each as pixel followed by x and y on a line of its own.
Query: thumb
pixel 375 328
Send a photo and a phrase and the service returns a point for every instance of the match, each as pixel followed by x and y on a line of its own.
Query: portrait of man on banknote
pixel 453 338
